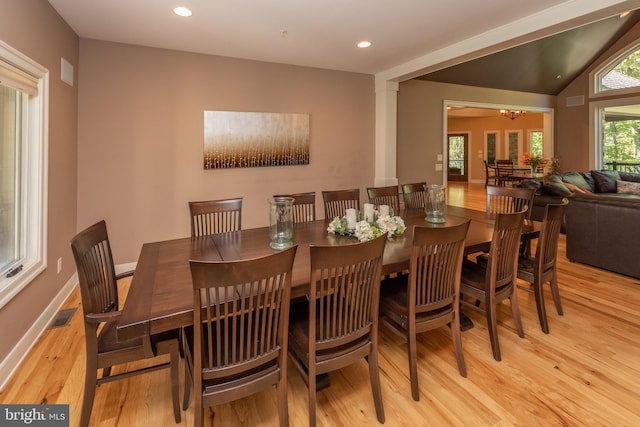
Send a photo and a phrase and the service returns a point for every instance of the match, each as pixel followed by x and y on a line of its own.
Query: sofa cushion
pixel 628 176
pixel 577 179
pixel 605 181
pixel 627 187
pixel 532 183
pixel 553 185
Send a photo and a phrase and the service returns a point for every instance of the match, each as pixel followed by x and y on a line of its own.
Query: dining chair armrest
pixel 124 274
pixel 110 316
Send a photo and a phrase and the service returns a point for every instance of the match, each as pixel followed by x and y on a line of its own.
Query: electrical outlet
pixel 59 265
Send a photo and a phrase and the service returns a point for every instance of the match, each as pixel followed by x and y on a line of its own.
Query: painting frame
pixel 237 139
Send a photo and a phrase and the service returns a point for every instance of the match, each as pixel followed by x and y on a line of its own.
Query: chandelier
pixel 512 114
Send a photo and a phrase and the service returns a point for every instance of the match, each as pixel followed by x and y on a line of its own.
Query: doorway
pixel 458 146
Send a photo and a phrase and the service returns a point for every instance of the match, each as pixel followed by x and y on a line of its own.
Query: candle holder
pixel 281 222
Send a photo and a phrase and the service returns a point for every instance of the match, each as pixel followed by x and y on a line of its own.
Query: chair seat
pixel 393 305
pixel 299 340
pixel 213 382
pixel 473 274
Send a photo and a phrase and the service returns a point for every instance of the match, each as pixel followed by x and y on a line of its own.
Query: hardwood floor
pixel 585 372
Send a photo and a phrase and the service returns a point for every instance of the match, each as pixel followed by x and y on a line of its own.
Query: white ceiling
pixel 324 33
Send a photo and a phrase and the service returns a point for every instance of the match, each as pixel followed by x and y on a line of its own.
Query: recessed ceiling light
pixel 182 11
pixel 624 14
pixel 364 44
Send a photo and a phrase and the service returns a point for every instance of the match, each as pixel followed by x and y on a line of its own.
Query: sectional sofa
pixel 602 222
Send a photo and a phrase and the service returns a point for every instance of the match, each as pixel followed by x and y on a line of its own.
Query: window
pixel 536 145
pixel 621 138
pixel 616 121
pixel 514 146
pixel 23 143
pixel 491 146
pixel 623 73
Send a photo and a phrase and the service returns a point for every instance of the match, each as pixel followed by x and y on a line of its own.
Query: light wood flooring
pixel 586 372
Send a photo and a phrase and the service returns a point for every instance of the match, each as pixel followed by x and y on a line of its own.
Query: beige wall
pixel 476 127
pixel 35 29
pixel 140 137
pixel 572 130
pixel 421 127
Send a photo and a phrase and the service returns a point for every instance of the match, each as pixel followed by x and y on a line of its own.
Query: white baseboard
pixel 12 362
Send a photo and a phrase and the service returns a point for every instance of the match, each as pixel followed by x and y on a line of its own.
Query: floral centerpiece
pixel 364 231
pixel 533 161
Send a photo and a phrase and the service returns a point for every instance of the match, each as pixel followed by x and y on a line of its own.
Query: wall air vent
pixel 574 101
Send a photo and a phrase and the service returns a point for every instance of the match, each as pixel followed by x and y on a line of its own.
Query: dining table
pixel 160 296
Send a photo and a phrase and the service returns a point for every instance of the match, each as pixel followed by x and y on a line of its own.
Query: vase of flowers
pixel 533 161
pixel 364 230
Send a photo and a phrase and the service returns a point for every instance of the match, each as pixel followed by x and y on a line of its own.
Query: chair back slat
pixel 413 195
pixel 509 200
pixel 345 289
pixel 338 201
pixel 503 254
pixel 547 250
pixel 243 312
pixel 215 216
pixel 389 196
pixel 304 206
pixel 96 274
pixel 436 264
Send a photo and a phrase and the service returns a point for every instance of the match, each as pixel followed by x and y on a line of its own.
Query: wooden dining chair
pixel 490 175
pixel 304 206
pixel 99 294
pixel 413 195
pixel 336 202
pixel 495 282
pixel 504 171
pixel 509 200
pixel 339 325
pixel 215 216
pixel 541 269
pixel 385 196
pixel 237 345
pixel 430 297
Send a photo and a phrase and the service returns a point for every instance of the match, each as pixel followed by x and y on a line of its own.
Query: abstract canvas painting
pixel 235 139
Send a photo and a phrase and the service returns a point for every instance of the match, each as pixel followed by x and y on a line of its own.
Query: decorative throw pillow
pixel 628 187
pixel 576 188
pixel 553 185
pixel 577 179
pixel 605 181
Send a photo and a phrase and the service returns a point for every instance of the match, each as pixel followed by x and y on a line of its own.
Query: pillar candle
pixel 351 219
pixel 368 212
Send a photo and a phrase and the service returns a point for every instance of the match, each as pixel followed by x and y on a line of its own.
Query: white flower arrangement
pixel 364 231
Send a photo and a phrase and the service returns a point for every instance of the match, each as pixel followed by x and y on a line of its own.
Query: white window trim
pixel 35 260
pixel 595 126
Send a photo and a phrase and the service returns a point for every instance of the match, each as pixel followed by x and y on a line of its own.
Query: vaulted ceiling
pixel 543 66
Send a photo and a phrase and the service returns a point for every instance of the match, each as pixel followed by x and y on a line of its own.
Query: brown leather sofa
pixel 601 224
pixel 604 233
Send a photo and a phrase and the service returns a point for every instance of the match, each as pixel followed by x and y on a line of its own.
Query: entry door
pixel 458 145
